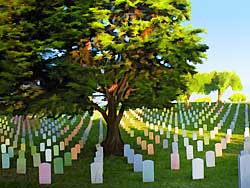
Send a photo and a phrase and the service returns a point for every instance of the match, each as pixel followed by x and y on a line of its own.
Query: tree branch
pixel 120 114
pixel 103 112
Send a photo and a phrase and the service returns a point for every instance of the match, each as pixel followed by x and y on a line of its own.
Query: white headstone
pixel 96 170
pixel 247 146
pixel 126 150
pixel 212 134
pixel 175 147
pixel 198 168
pixel 48 155
pixel 244 171
pixel 137 163
pixel 194 136
pixel 184 133
pixel 130 155
pixel 165 144
pixel 186 142
pixel 54 138
pixel 175 137
pixel 224 143
pixel 168 134
pixel 42 147
pixel 3 148
pixel 189 152
pixel 148 171
pixel 199 145
pixel 210 159
pixel 49 142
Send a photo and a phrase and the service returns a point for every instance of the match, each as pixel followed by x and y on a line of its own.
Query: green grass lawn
pixel 119 174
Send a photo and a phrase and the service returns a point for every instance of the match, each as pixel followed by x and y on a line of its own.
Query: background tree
pixel 221 81
pixel 238 97
pixel 195 84
pixel 204 99
pixel 134 54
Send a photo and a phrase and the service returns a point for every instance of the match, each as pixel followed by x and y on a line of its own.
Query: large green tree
pixel 221 81
pixel 134 53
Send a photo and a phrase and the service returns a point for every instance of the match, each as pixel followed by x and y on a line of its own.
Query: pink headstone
pixel 175 161
pixel 45 173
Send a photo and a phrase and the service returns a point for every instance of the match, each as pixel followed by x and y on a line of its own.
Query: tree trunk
pixel 113 144
pixel 187 102
pixel 219 96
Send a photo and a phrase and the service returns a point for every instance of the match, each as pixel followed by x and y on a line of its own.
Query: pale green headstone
pixel 67 159
pixel 36 159
pixel 21 154
pixel 58 165
pixel 33 150
pixel 21 166
pixel 56 150
pixel 23 140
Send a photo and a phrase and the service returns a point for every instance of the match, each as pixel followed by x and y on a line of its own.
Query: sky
pixel 228 36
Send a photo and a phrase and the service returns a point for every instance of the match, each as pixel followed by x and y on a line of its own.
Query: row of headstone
pixel 146 166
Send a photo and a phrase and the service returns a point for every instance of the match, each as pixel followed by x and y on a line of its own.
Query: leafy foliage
pixel 221 81
pixel 204 99
pixel 31 32
pixel 238 97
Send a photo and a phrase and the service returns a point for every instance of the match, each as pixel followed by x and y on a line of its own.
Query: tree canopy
pixel 195 84
pixel 238 97
pixel 221 81
pixel 55 56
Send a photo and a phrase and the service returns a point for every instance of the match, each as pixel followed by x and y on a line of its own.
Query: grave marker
pixel 58 165
pixel 223 143
pixel 175 161
pixel 210 159
pixel 138 163
pixel 144 145
pixel 56 150
pixel 244 171
pixel 199 145
pixel 218 150
pixel 45 173
pixel 206 139
pixel 150 149
pixel 198 168
pixel 189 152
pixel 175 147
pixel 5 161
pixel 67 159
pixel 96 170
pixel 130 156
pixel 36 159
pixel 165 144
pixel 148 171
pixel 11 151
pixel 157 139
pixel 21 166
pixel 186 141
pixel 48 155
pixel 74 153
pixel 138 140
